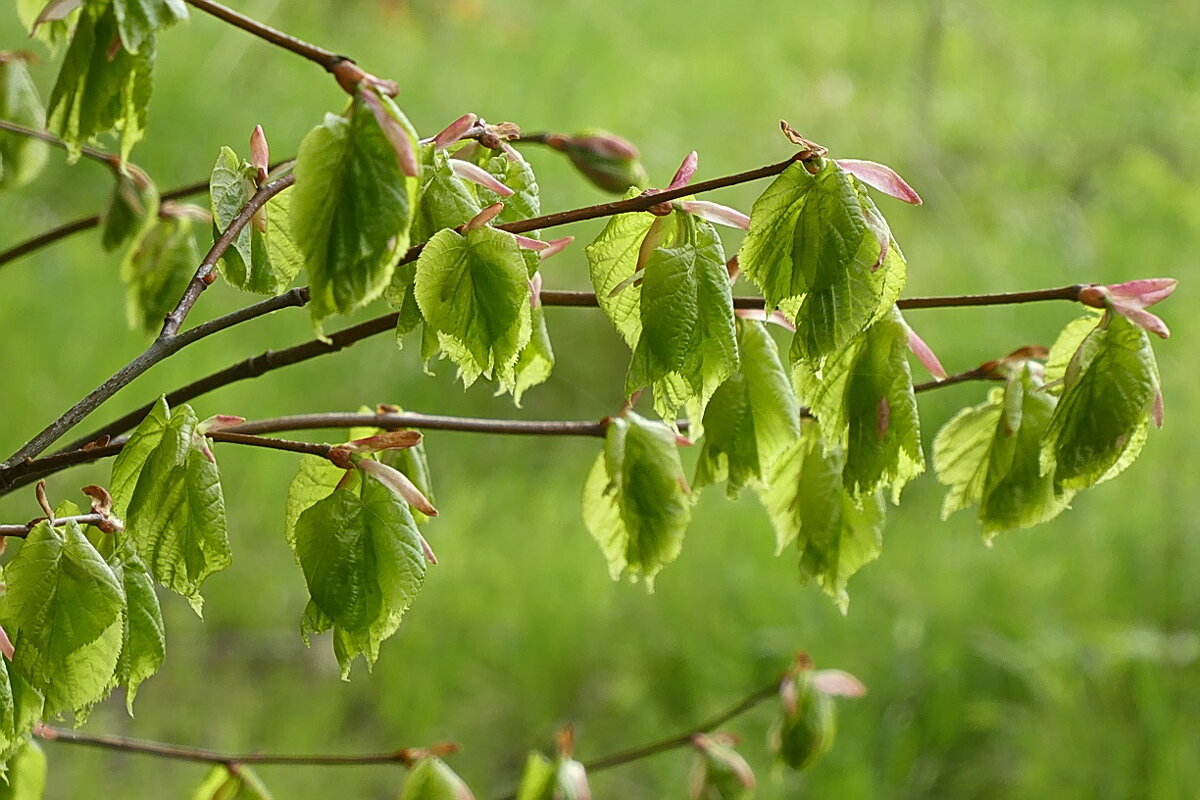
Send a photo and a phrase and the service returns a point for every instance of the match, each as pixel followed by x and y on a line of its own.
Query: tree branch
pixel 405 756
pixel 681 739
pixel 318 55
pixel 21 531
pixel 110 160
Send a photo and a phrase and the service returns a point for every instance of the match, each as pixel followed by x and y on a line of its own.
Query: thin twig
pixel 110 160
pixel 21 531
pixel 676 741
pixel 393 421
pixel 309 448
pixel 318 55
pixel 403 756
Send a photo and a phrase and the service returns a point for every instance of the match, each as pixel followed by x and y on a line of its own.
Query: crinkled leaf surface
pixel 687 346
pixel 473 291
pixel 67 607
pixel 612 260
pixel 143 640
pixel 363 563
pixel 989 455
pixel 636 503
pixel 170 494
pixel 351 209
pixel 96 93
pixel 1102 417
pixel 753 417
pixel 836 531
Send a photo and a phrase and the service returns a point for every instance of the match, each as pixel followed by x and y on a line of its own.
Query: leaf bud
pixel 607 160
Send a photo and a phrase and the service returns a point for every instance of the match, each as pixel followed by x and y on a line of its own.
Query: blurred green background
pixel 1053 143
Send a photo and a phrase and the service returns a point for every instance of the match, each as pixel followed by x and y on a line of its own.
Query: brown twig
pixel 318 55
pixel 21 531
pixel 110 160
pixel 678 740
pixel 403 756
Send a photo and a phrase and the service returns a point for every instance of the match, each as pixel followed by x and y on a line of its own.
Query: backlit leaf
pixel 21 157
pixel 156 270
pixel 612 260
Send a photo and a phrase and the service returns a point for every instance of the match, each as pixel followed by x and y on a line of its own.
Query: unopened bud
pixel 260 154
pixel 607 160
pixel 431 778
pixel 484 217
pixel 399 483
pixel 454 131
pixel 720 772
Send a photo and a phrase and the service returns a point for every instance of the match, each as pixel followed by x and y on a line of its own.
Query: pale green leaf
pixel 836 531
pixel 753 417
pixel 687 346
pixel 144 643
pixel 156 270
pixel 1100 423
pixel 473 291
pixel 22 157
pixel 363 563
pixel 138 20
pixel 96 93
pixel 131 210
pixel 1064 347
pixel 263 257
pixel 352 209
pixel 52 33
pixel 432 779
pixel 612 260
pixel 537 779
pixel 990 455
pixel 636 502
pixel 864 400
pixel 21 706
pixel 536 361
pixel 237 782
pixel 447 201
pixel 66 605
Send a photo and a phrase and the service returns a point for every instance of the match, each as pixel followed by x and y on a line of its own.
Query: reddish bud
pixel 54 11
pixel 480 176
pixel 607 160
pixel 535 290
pixel 527 243
pixel 925 354
pixel 1130 300
pixel 396 134
pixel 399 483
pixel 454 131
pixel 762 315
pixel 881 177
pixel 260 154
pixel 484 217
pixel 6 645
pixel 686 170
pixel 555 246
pixel 716 213
pixel 838 683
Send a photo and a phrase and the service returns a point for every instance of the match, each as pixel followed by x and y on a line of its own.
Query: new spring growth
pixel 1131 299
pixel 808 725
pixel 54 11
pixel 607 160
pixel 719 772
pixel 924 353
pixel 454 131
pixel 431 778
pixel 218 422
pixel 260 154
pixel 397 135
pixel 357 453
pixel 572 776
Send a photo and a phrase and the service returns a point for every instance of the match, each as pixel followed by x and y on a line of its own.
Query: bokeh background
pixel 1053 143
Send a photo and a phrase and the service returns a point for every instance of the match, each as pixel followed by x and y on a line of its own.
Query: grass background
pixel 1053 143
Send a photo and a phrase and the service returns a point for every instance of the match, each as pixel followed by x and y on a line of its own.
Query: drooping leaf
pixel 351 209
pixel 66 605
pixel 231 782
pixel 52 32
pixel 21 157
pixel 636 501
pixel 473 291
pixel 990 455
pixel 21 705
pixel 837 531
pixel 612 260
pixel 864 400
pixel 131 210
pixel 169 493
pixel 263 257
pixel 431 779
pixel 687 346
pixel 815 248
pixel 363 563
pixel 25 774
pixel 138 20
pixel 156 270
pixel 100 87
pixel 1101 421
pixel 751 419
pixel 143 641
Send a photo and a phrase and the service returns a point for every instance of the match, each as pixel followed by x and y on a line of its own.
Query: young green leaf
pixel 143 641
pixel 720 772
pixel 51 31
pixel 138 20
pixel 67 608
pixel 169 493
pixel 351 209
pixel 818 247
pixel 156 269
pixel 808 725
pixel 537 779
pixel 101 88
pixel 752 418
pixel 446 200
pixel 24 774
pixel 231 782
pixel 131 210
pixel 21 157
pixel 263 257
pixel 21 707
pixel 363 563
pixel 990 454
pixel 536 361
pixel 837 531
pixel 612 261
pixel 1110 387
pixel 687 346
pixel 473 291
pixel 636 502
pixel 432 779
pixel 865 402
